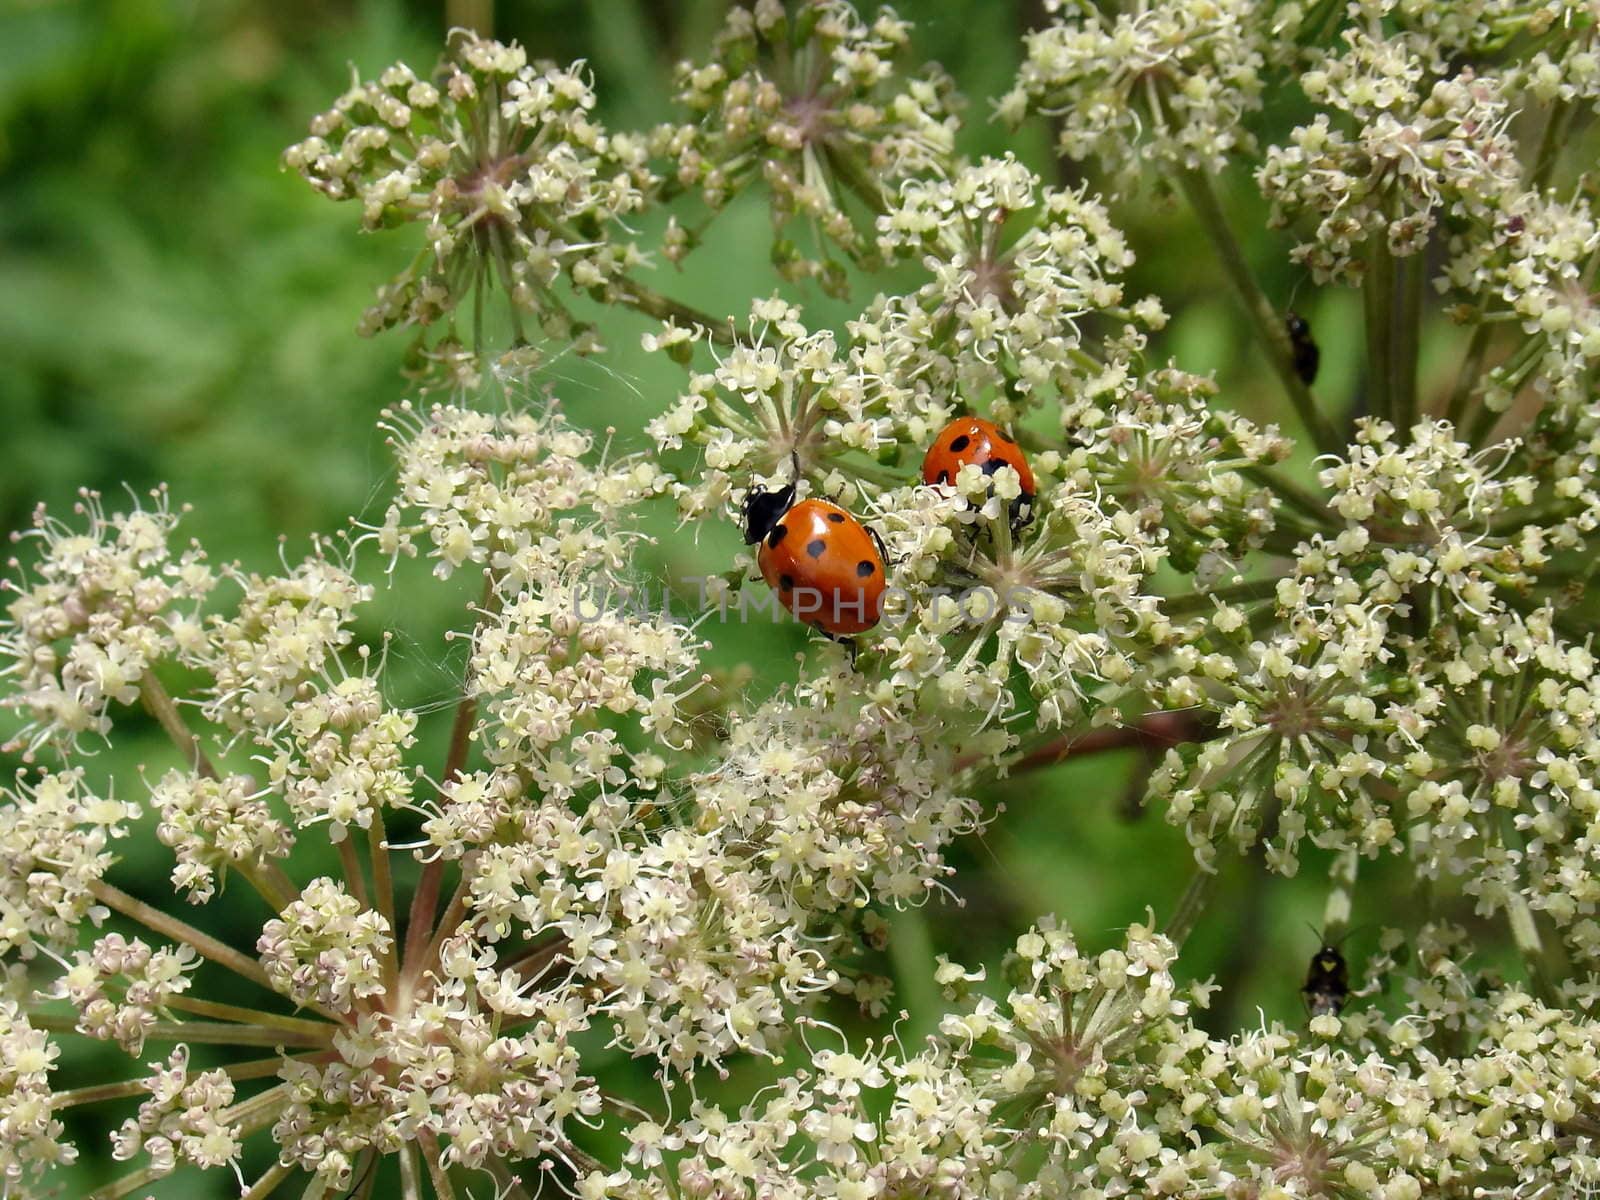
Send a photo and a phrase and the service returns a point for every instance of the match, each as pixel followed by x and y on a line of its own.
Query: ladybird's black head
pixel 764 509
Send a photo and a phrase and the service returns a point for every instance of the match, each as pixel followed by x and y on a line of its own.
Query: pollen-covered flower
pixel 514 492
pixel 782 396
pixel 187 1119
pixel 214 824
pixel 1531 264
pixel 286 630
pixel 121 987
pixel 341 757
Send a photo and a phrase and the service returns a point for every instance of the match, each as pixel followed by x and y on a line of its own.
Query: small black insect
pixel 1307 355
pixel 1327 984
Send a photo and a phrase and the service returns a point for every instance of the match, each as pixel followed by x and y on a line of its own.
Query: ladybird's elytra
pixel 825 565
pixel 977 442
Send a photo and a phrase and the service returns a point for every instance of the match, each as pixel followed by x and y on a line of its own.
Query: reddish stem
pixel 1154 731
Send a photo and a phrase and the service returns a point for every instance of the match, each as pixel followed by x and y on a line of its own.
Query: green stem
pixel 353 873
pixel 437 1171
pixel 1193 602
pixel 160 706
pixel 269 879
pixel 454 911
pixel 1190 905
pixel 1525 932
pixel 1513 373
pixel 268 1183
pixel 848 169
pixel 425 901
pixel 1471 369
pixel 197 1031
pixel 383 886
pixel 1377 294
pixel 251 1016
pixel 256 1068
pixel 651 303
pixel 1550 145
pixel 1268 322
pixel 179 931
pixel 410 1187
pixel 1407 340
pixel 127 1185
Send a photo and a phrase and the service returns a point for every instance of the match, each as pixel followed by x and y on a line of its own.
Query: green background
pixel 174 307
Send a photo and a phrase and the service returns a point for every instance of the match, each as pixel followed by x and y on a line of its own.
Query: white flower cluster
pixel 55 840
pixel 503 165
pixel 327 948
pixel 103 605
pixel 475 1061
pixel 32 1137
pixel 214 824
pixel 1016 268
pixel 146 978
pixel 817 106
pixel 1424 148
pixel 286 630
pixel 1173 82
pixel 627 854
pixel 185 1120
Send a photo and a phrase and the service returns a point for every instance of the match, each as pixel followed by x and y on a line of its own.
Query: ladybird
pixel 982 444
pixel 826 567
pixel 1327 984
pixel 1307 355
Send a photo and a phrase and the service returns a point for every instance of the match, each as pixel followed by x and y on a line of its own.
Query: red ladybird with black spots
pixel 826 567
pixel 983 444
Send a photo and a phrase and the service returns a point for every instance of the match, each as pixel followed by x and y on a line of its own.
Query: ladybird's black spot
pixel 836 518
pixel 993 465
pixel 777 535
pixel 815 547
pixel 958 444
pixel 786 582
pixel 864 568
pixel 944 476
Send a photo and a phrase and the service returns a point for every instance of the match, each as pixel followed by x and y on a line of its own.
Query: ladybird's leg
pixel 849 643
pixel 1021 513
pixel 883 551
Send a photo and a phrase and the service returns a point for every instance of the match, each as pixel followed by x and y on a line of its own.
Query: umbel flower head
pixel 502 164
pixel 603 927
pixel 813 101
pixel 1173 81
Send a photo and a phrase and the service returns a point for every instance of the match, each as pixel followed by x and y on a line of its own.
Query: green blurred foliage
pixel 174 308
